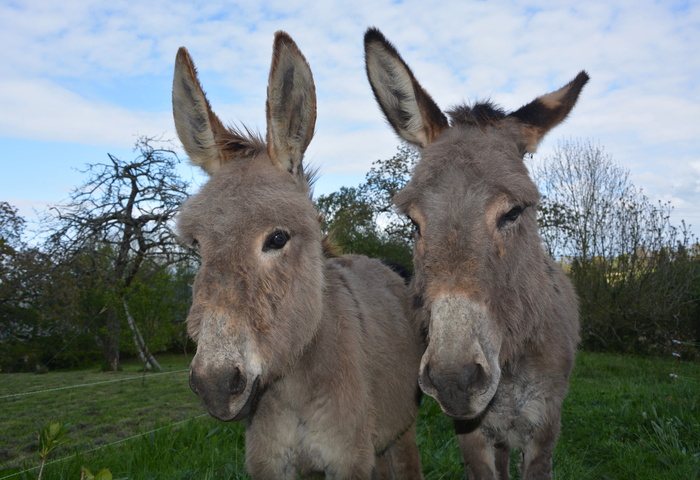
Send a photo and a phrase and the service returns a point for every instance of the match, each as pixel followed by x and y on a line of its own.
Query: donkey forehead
pixel 468 168
pixel 239 199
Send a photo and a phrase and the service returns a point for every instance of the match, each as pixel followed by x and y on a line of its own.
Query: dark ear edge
pixel 408 108
pixel 546 112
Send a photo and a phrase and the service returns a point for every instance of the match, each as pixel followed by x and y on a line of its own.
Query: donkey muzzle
pixel 457 389
pixel 227 393
pixel 460 366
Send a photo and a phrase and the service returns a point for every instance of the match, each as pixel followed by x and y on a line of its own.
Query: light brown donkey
pixel 502 317
pixel 319 355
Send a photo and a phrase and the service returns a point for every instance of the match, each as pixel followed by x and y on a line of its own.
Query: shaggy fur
pixel 318 353
pixel 502 317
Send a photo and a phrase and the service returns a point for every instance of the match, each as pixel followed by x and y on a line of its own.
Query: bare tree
pixel 632 267
pixel 124 212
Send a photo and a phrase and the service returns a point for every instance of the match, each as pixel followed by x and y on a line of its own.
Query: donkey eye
pixel 415 226
pixel 276 240
pixel 509 217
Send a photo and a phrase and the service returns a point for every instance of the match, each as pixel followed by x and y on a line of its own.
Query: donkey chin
pixel 228 393
pixel 460 367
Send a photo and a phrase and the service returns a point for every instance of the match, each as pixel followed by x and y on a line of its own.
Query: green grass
pixel 624 418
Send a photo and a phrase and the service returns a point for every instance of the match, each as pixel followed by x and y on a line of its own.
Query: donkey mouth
pixel 232 413
pixel 460 410
pixel 463 415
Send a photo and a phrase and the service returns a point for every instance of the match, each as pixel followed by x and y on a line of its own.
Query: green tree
pixel 363 220
pixel 158 302
pixel 36 300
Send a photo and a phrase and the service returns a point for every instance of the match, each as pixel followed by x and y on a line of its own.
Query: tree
pixel 363 220
pixel 11 229
pixel 37 299
pixel 122 216
pixel 632 268
pixel 382 182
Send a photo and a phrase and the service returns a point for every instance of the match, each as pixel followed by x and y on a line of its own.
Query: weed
pixel 51 437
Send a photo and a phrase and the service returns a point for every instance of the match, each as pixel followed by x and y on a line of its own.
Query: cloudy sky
pixel 83 78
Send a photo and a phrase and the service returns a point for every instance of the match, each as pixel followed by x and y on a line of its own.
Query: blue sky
pixel 83 78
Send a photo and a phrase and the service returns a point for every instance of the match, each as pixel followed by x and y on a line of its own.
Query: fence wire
pixel 116 442
pixel 69 387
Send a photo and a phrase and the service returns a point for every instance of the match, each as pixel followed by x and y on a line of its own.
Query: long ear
pixel 291 105
pixel 197 125
pixel 406 105
pixel 546 112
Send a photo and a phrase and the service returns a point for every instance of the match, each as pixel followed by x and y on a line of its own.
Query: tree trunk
pixel 111 341
pixel 146 357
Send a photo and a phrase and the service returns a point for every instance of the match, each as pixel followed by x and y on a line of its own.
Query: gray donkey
pixel 318 354
pixel 502 317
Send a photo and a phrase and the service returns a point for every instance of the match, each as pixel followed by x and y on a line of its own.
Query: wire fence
pixel 69 387
pixel 676 375
pixel 12 473
pixel 116 442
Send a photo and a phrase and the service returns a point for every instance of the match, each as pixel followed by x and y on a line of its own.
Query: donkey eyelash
pixel 511 216
pixel 415 226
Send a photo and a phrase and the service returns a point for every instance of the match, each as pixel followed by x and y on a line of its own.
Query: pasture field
pixel 624 418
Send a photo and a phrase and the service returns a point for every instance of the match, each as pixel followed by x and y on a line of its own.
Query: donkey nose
pixel 233 383
pixel 455 387
pixel 195 383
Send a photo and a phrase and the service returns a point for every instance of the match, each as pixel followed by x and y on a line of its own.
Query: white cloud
pixel 38 109
pixel 642 104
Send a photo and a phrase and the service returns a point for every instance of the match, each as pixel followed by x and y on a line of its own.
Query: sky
pixel 83 78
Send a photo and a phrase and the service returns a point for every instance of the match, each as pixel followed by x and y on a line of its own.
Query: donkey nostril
pixel 474 375
pixel 193 382
pixel 237 382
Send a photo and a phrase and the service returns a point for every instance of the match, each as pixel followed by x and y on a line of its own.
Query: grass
pixel 624 418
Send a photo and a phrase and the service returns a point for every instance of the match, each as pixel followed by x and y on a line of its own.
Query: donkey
pixel 502 317
pixel 319 354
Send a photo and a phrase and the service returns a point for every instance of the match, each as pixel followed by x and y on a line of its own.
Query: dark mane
pixel 242 142
pixel 480 115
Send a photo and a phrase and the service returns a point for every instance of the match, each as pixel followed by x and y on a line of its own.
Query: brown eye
pixel 510 216
pixel 276 240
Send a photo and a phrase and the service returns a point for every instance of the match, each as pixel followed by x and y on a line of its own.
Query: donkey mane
pixel 481 115
pixel 241 142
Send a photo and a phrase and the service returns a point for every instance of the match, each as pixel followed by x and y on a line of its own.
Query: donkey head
pixel 477 249
pixel 257 297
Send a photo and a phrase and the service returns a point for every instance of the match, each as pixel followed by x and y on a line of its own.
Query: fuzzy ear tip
pixel 582 78
pixel 182 54
pixel 373 35
pixel 282 38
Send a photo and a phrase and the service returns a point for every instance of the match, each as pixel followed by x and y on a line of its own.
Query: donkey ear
pixel 196 124
pixel 546 112
pixel 406 105
pixel 291 105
